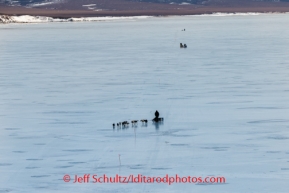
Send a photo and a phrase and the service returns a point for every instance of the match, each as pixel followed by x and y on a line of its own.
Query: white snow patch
pixel 31 19
pixel 41 4
pixel 90 5
pixel 184 3
pixel 45 3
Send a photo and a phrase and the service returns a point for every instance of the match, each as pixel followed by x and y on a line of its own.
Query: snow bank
pixel 42 19
pixel 106 18
pixel 30 19
pixel 230 14
pixel 6 19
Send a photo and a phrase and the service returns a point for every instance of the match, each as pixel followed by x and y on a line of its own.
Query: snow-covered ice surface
pixel 224 100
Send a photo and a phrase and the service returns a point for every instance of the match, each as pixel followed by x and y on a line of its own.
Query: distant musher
pixel 156 119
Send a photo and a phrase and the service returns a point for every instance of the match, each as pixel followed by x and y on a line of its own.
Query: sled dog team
pixel 125 124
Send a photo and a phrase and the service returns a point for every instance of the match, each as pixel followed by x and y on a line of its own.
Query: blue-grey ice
pixel 224 100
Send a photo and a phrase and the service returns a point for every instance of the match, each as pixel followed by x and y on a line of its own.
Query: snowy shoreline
pixel 5 19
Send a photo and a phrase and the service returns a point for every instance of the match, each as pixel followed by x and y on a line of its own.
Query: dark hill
pixel 89 8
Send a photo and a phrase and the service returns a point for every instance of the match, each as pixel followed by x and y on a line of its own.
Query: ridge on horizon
pixel 118 4
pixel 93 8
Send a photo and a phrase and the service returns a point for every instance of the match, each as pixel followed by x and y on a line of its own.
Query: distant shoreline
pixel 26 15
pixel 4 19
pixel 65 14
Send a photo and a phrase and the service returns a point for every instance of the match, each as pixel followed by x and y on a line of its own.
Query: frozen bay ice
pixel 224 100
